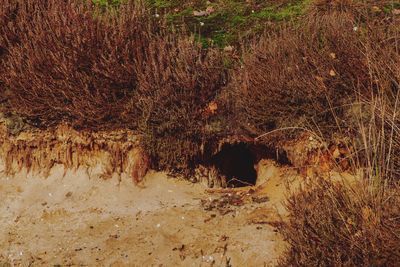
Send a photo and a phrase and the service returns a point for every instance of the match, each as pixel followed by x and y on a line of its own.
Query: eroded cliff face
pixel 107 153
pixel 38 151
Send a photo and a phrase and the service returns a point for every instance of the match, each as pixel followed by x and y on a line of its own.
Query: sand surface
pixel 74 218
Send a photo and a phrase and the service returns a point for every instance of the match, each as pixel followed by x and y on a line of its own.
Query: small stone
pixel 199 13
pixel 228 48
pixel 376 9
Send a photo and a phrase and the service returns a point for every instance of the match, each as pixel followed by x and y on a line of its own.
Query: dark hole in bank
pixel 237 162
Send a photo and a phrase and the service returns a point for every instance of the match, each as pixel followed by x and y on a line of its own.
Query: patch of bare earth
pixel 76 219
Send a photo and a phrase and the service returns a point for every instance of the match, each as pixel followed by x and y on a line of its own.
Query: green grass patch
pixel 107 3
pixel 226 21
pixel 285 12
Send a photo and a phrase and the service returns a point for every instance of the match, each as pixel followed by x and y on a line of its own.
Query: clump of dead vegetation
pixel 352 223
pixel 68 61
pixel 333 225
pixel 176 93
pixel 339 224
pixel 295 76
pixel 62 62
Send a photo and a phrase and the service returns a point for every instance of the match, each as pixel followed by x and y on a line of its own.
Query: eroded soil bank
pixel 78 219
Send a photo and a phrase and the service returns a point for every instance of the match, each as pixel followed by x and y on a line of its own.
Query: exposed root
pixel 116 152
pixel 210 177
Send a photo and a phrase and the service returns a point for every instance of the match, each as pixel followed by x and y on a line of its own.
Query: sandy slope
pixel 74 220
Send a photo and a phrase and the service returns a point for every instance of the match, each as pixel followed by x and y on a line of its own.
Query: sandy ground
pixel 76 219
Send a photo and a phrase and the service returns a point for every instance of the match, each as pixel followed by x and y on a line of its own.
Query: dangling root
pixel 38 151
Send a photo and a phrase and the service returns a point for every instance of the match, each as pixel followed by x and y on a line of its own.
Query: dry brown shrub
pixel 333 225
pixel 337 224
pixel 70 62
pixel 299 75
pixel 65 61
pixel 176 86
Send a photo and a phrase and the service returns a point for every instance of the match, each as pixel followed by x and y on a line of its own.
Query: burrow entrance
pixel 237 162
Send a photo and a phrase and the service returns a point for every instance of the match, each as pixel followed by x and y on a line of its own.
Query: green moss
pixel 390 7
pixel 205 42
pixel 163 4
pixel 238 20
pixel 173 4
pixel 221 39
